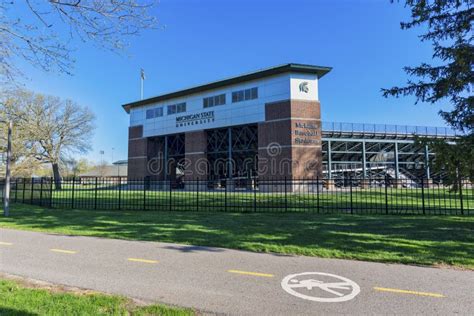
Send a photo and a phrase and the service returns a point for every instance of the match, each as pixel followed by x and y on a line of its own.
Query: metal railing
pixel 344 195
pixel 387 129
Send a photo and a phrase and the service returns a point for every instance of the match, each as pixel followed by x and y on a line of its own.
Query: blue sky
pixel 207 40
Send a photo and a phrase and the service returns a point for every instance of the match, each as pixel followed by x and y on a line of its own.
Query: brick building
pixel 265 124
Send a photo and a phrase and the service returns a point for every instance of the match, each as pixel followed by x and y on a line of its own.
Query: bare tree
pixel 41 31
pixel 55 129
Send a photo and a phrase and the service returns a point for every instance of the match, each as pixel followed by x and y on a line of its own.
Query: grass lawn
pixel 20 299
pixel 426 240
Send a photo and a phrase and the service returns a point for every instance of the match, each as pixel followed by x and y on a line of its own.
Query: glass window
pixel 222 99
pixel 247 94
pixel 214 101
pixel 181 107
pixel 158 112
pixel 172 109
pixel 254 93
pixel 234 97
pixel 150 113
pixel 240 95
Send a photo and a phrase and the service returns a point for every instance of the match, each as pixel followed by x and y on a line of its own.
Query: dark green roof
pixel 298 68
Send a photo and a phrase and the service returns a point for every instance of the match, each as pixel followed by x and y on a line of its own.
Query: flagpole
pixel 142 78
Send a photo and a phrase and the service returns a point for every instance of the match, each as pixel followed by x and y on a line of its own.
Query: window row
pixel 214 101
pixel 172 109
pixel 152 113
pixel 176 108
pixel 237 96
pixel 244 95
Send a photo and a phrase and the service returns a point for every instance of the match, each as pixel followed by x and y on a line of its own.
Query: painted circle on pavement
pixel 320 287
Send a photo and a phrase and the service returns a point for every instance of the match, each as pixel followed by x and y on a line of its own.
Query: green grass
pixel 18 299
pixel 425 240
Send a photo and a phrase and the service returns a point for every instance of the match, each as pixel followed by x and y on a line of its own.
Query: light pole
pixel 6 196
pixel 101 163
pixel 118 166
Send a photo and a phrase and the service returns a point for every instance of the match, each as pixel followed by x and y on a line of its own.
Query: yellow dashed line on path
pixel 383 289
pixel 142 260
pixel 252 273
pixel 71 252
pixel 5 243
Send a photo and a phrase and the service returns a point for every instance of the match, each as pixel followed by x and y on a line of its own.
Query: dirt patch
pixel 451 267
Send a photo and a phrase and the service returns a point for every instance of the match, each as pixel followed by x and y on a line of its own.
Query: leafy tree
pixel 74 167
pixel 41 31
pixel 22 164
pixel 53 129
pixel 449 29
pixel 455 160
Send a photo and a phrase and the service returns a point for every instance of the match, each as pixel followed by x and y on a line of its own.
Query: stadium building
pixel 263 125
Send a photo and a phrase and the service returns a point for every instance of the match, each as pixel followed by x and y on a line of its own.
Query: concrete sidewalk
pixel 217 280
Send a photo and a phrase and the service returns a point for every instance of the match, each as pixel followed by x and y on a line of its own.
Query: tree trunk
pixel 56 176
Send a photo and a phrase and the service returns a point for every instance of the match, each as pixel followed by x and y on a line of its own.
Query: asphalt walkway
pixel 217 280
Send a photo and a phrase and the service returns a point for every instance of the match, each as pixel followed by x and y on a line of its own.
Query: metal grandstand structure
pixel 361 150
pixel 349 151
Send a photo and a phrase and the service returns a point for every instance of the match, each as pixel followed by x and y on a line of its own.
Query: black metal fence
pixel 34 191
pixel 344 195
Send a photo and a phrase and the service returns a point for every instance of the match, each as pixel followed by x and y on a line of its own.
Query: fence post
pixel 24 190
pixel 41 192
pixel 51 192
pixel 461 197
pixel 225 198
pixel 95 194
pixel 317 194
pixel 16 189
pixel 197 194
pixel 423 195
pixel 386 194
pixel 350 190
pixel 120 193
pixel 144 192
pixel 72 195
pixel 32 189
pixel 286 196
pixel 255 198
pixel 170 203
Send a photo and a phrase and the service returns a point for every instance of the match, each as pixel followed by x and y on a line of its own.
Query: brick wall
pixel 290 140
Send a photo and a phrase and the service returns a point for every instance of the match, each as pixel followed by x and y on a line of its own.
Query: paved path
pixel 234 282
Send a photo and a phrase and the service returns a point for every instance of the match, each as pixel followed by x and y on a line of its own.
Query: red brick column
pixel 289 140
pixel 137 153
pixel 145 155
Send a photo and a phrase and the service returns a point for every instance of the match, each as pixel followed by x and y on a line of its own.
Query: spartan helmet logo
pixel 304 87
